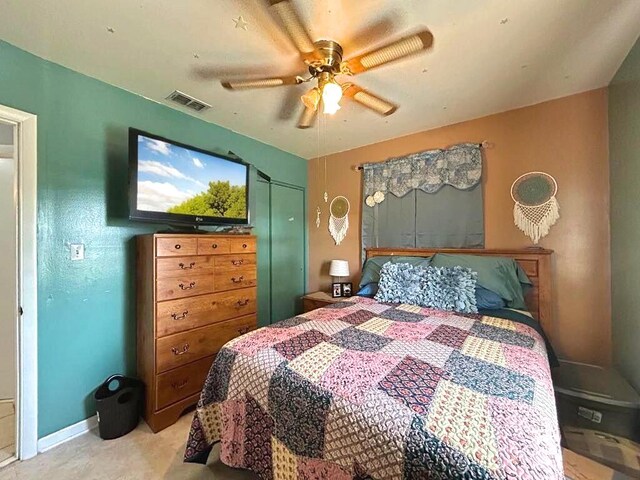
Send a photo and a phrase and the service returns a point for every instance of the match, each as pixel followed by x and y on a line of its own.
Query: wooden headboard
pixel 536 262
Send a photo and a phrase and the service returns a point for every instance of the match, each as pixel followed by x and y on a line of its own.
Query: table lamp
pixel 339 269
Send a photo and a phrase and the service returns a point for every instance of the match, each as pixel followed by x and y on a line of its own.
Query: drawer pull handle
pixel 237 280
pixel 244 245
pixel 179 385
pixel 237 262
pixel 214 245
pixel 242 303
pixel 187 287
pixel 177 351
pixel 184 314
pixel 177 246
pixel 243 330
pixel 184 267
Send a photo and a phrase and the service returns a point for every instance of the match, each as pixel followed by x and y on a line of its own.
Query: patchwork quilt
pixel 362 389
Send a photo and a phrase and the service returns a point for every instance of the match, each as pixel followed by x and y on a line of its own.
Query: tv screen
pixel 177 184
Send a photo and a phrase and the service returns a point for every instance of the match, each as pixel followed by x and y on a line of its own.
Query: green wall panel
pixel 86 321
pixel 624 154
pixel 263 224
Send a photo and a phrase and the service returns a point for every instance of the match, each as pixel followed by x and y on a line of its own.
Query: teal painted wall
pixel 86 310
pixel 624 154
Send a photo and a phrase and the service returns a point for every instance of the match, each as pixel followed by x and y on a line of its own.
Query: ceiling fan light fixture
pixel 331 96
pixel 311 99
pixel 330 109
pixel 323 60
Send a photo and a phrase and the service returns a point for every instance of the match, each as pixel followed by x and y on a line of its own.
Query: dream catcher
pixel 536 208
pixel 339 218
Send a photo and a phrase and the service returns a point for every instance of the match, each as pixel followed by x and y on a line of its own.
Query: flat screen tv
pixel 177 184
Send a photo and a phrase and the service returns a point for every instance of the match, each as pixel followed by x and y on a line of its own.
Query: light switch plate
pixel 77 251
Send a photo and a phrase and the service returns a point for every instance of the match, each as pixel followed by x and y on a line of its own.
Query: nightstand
pixel 314 300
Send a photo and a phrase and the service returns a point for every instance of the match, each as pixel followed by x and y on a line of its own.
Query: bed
pixel 362 389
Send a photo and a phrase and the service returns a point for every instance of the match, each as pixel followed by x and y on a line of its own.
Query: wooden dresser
pixel 195 293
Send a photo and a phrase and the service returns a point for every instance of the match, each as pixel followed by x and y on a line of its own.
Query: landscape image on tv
pixel 173 179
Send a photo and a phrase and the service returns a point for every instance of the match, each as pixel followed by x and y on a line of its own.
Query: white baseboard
pixel 8 461
pixel 66 434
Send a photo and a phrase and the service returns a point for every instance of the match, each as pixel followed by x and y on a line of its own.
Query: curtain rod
pixel 484 144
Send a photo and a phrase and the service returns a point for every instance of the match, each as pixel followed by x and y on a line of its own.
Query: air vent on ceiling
pixel 188 101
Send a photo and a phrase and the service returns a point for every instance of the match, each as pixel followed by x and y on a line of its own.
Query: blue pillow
pixel 446 288
pixel 499 274
pixel 451 289
pixel 401 283
pixel 488 300
pixel 369 290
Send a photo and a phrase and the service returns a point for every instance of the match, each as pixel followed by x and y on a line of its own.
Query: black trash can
pixel 118 402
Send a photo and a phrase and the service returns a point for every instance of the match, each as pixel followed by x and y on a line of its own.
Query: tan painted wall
pixel 567 138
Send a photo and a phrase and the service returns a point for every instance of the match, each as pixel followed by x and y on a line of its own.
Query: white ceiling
pixel 488 56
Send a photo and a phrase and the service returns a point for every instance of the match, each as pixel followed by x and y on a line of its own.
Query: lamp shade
pixel 339 268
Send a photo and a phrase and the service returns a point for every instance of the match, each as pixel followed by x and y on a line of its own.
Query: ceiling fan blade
pixel 402 48
pixel 369 100
pixel 260 83
pixel 298 34
pixel 307 118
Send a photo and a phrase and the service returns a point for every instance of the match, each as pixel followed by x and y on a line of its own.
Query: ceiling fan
pixel 324 62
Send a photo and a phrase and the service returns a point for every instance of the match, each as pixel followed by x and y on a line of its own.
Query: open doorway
pixel 9 290
pixel 18 286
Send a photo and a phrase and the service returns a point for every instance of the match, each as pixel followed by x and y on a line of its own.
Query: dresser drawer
pixel 213 246
pixel 181 382
pixel 242 245
pixel 185 285
pixel 230 263
pixel 233 280
pixel 180 266
pixel 173 247
pixel 176 316
pixel 235 303
pixel 182 348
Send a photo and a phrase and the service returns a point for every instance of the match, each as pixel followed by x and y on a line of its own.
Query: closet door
pixel 287 251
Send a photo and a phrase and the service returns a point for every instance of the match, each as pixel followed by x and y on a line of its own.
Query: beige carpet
pixel 139 455
pixel 144 455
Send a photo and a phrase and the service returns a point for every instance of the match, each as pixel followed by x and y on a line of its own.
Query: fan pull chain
pixel 318 210
pixel 326 195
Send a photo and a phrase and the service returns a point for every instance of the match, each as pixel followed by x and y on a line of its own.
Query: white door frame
pixel 27 396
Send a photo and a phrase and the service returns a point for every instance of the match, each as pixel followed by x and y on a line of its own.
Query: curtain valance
pixel 459 166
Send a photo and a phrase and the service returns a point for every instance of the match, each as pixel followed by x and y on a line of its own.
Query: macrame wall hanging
pixel 536 208
pixel 339 218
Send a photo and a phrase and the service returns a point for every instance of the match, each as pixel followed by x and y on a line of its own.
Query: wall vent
pixel 188 101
